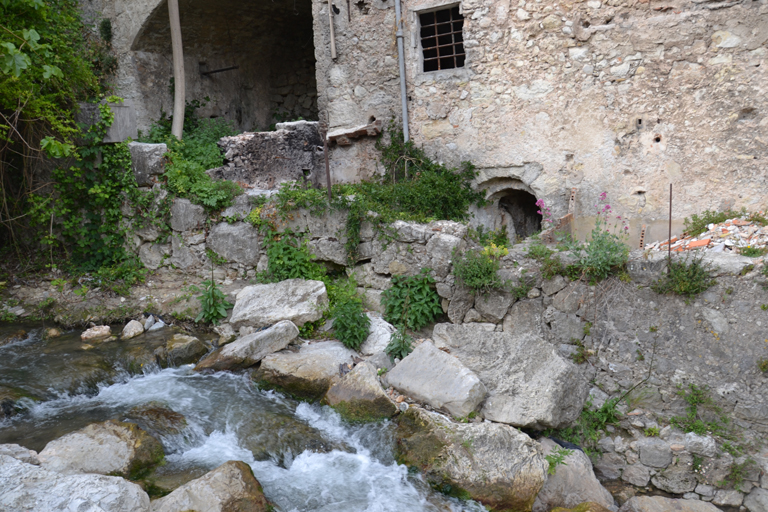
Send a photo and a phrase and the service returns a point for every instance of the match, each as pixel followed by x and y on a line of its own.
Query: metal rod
pixel 327 167
pixel 333 32
pixel 401 62
pixel 669 244
pixel 220 70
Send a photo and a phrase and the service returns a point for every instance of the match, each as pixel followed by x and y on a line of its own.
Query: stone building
pixel 543 97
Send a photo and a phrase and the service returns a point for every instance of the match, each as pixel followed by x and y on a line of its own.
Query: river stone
pixel 700 445
pixel 132 329
pixel 296 300
pixel 675 480
pixel 661 504
pixel 637 475
pixel 100 331
pixel 529 384
pixel 180 350
pixel 654 452
pixel 379 333
pixel 237 242
pixel 250 349
pixel 573 483
pixel 28 487
pixel 229 488
pixel 19 453
pixel 439 379
pixel 157 419
pixel 358 396
pixel 495 464
pixel 308 373
pixel 112 447
pixel 757 500
pixel 186 216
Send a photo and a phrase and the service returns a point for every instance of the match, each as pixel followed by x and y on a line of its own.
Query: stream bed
pixel 304 455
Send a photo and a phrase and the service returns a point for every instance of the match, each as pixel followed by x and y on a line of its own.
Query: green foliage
pixel 732 449
pixel 292 196
pixel 212 300
pixel 540 252
pixel 289 258
pixel 698 397
pixel 738 473
pixel 762 365
pixel 411 302
pixel 687 278
pixel 400 345
pixel 59 284
pixel 697 224
pixel 477 271
pixel 587 430
pixel 189 158
pixel 120 276
pixel 753 252
pixel 652 432
pixel 606 250
pixel 557 458
pixel 215 258
pixel 697 462
pixel 582 354
pixel 484 238
pixel 350 323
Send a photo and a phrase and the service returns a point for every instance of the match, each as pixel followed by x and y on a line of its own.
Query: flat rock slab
pixel 358 396
pixel 19 453
pixel 231 487
pixel 237 242
pixel 495 464
pixel 29 487
pixel 661 504
pixel 432 376
pixel 112 447
pixel 250 349
pixel 308 373
pixel 529 384
pixel 573 483
pixel 297 300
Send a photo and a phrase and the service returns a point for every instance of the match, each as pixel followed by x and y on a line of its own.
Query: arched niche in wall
pixel 512 205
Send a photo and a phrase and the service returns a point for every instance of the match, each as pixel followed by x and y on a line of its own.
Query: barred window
pixel 441 39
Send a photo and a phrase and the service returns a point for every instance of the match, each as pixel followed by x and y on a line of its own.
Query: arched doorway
pixel 520 207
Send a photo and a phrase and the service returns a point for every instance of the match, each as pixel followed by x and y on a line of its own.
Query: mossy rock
pixel 584 507
pixel 359 397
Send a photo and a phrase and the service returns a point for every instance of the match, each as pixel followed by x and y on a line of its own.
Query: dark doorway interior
pixel 521 206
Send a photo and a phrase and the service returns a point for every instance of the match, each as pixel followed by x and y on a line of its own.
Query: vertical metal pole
pixel 401 62
pixel 327 168
pixel 333 32
pixel 669 244
pixel 178 69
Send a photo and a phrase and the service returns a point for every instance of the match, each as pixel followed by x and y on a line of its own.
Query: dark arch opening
pixel 521 207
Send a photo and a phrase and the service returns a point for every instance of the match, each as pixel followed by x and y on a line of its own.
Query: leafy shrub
pixel 587 430
pixel 687 278
pixel 400 345
pixel 557 458
pixel 698 396
pixel 476 271
pixel 499 237
pixel 411 302
pixel 213 301
pixel 652 432
pixel 289 258
pixel 606 250
pixel 697 224
pixel 539 252
pixel 351 323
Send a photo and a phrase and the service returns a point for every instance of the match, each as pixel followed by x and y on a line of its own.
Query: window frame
pixel 419 48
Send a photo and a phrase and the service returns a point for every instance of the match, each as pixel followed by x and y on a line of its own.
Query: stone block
pixel 147 160
pixel 654 452
pixel 237 242
pixel 186 216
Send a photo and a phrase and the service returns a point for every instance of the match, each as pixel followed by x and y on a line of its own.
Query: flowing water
pixel 304 455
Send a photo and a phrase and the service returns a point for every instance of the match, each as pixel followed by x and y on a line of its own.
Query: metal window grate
pixel 441 39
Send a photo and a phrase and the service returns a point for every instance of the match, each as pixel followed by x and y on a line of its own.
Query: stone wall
pixel 623 96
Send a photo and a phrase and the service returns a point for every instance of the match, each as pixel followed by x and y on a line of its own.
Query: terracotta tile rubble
pixel 733 235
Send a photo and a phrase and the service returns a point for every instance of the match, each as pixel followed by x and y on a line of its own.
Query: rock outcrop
pixel 296 300
pixel 529 384
pixel 661 504
pixel 492 463
pixel 439 379
pixel 250 349
pixel 307 373
pixel 109 448
pixel 29 487
pixel 229 488
pixel 358 396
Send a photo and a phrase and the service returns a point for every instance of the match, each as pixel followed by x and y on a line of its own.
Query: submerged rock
pixel 308 373
pixel 358 396
pixel 180 350
pixel 439 379
pixel 492 463
pixel 29 487
pixel 573 483
pixel 109 448
pixel 296 300
pixel 100 331
pixel 9 401
pixel 661 504
pixel 157 419
pixel 231 487
pixel 250 349
pixel 529 384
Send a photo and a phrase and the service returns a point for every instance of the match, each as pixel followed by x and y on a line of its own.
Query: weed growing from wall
pixel 477 271
pixel 411 302
pixel 350 323
pixel 606 250
pixel 687 278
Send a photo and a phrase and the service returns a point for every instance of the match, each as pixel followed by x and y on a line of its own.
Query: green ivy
pixel 411 302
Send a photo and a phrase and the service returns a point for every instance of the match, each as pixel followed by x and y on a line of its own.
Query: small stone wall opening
pixel 520 206
pixel 255 61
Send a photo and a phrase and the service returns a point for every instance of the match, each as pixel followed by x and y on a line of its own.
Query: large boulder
pixel 492 463
pixel 179 350
pixel 358 396
pixel 237 242
pixel 572 483
pixel 661 504
pixel 109 448
pixel 307 373
pixel 529 384
pixel 250 349
pixel 29 487
pixel 439 379
pixel 229 488
pixel 296 300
